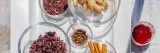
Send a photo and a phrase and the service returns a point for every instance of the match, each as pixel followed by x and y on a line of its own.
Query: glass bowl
pixel 151 28
pixel 102 18
pixel 110 47
pixel 53 18
pixel 74 27
pixel 33 32
pixel 99 31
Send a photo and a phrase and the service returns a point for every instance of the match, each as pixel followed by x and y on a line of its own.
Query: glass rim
pixel 152 30
pixel 90 31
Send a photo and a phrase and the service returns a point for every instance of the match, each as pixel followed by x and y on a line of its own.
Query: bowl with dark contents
pixel 54 9
pixel 44 38
pixel 79 35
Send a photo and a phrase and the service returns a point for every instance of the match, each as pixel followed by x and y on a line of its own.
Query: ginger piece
pixel 82 1
pixel 75 3
pixel 99 1
pixel 98 8
pixel 84 8
pixel 91 3
pixel 97 5
pixel 104 4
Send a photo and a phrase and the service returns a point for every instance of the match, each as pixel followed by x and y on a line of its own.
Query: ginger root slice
pixel 91 4
pixel 96 5
pixel 84 8
pixel 98 8
pixel 75 3
pixel 82 1
pixel 99 1
pixel 104 4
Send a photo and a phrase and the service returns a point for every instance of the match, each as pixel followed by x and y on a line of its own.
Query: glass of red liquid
pixel 142 33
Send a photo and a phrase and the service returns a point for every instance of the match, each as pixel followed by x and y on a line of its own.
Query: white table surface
pixel 5 26
pixel 121 30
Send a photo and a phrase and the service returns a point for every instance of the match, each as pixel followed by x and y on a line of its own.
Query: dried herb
pixel 55 7
pixel 49 43
pixel 79 37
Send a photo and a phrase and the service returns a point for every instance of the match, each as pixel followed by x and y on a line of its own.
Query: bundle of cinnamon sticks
pixel 95 47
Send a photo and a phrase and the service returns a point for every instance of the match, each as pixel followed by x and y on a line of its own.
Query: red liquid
pixel 142 34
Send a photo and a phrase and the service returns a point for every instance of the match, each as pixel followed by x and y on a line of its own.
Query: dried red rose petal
pixel 49 43
pixel 55 7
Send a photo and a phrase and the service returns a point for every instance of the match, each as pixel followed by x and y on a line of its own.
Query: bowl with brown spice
pixel 54 10
pixel 44 38
pixel 79 35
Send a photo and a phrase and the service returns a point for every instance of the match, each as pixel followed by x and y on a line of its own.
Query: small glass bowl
pixel 99 31
pixel 148 25
pixel 33 32
pixel 99 19
pixel 52 18
pixel 110 47
pixel 74 27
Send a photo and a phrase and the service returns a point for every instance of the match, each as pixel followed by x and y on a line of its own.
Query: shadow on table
pixel 138 49
pixel 138 6
pixel 132 48
pixel 129 46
